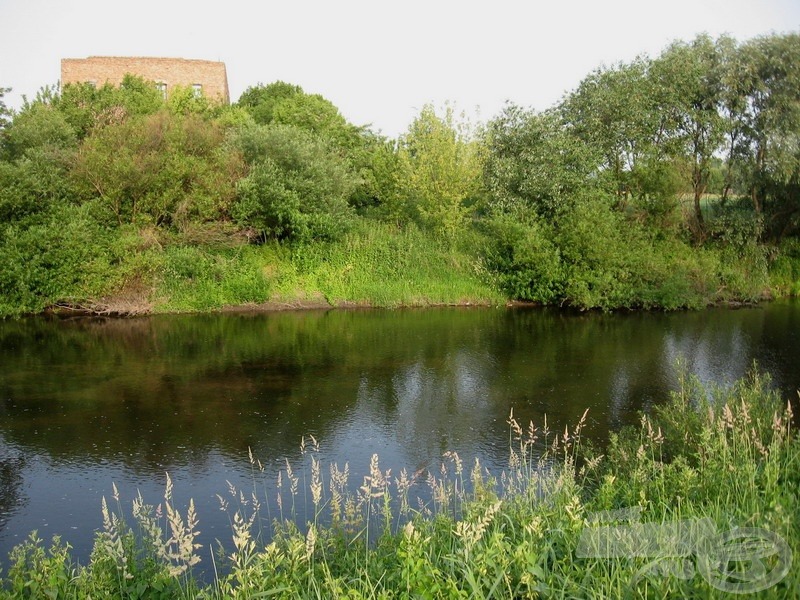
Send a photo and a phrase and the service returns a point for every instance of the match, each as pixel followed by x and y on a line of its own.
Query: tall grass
pixel 374 265
pixel 716 459
pixel 785 269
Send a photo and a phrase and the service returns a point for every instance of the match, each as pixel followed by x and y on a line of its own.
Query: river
pixel 88 402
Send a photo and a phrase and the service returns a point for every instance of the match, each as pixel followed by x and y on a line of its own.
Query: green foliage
pixel 297 189
pixel 190 278
pixel 593 257
pixel 39 572
pixel 526 261
pixel 31 184
pixel 377 164
pixel 660 124
pixel 65 258
pixel 260 100
pixel 183 100
pixel 613 111
pixel 596 255
pixel 438 174
pixel 286 104
pixel 688 79
pixel 159 169
pixel 769 118
pixel 85 106
pixel 39 147
pixel 374 264
pixel 5 112
pixel 784 271
pixel 233 117
pixel 37 127
pixel 535 164
pixel 281 103
pixel 380 265
pixel 592 204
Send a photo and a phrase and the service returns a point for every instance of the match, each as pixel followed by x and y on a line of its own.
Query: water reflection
pixel 11 466
pixel 89 401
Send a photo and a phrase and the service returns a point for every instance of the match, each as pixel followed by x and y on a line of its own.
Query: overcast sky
pixel 379 62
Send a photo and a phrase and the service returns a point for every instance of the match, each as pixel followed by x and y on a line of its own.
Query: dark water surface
pixel 88 402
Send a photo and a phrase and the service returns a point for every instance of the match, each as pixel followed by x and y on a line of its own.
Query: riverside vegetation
pixel 729 456
pixel 665 182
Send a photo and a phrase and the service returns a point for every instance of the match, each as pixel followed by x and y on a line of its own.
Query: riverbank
pixel 723 469
pixel 376 265
pixel 185 205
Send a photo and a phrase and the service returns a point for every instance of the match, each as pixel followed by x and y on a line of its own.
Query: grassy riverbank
pixel 376 265
pixel 731 461
pixel 71 264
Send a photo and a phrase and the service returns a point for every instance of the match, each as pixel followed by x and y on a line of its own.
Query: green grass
pixel 784 270
pixel 375 265
pixel 381 265
pixel 728 457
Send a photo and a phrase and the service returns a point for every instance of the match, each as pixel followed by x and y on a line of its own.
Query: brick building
pixel 208 77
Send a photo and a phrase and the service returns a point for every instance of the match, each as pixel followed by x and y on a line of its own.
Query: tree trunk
pixel 698 186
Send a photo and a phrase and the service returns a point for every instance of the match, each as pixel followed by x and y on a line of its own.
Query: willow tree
pixel 689 81
pixel 769 68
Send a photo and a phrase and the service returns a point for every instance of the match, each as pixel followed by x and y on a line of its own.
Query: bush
pixel 38 126
pixel 297 188
pixel 65 258
pixel 524 259
pixel 158 169
pixel 31 184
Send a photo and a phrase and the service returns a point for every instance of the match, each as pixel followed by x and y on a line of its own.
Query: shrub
pixel 525 261
pixel 297 188
pixel 66 257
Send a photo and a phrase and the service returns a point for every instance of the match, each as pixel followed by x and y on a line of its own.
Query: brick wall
pixel 170 71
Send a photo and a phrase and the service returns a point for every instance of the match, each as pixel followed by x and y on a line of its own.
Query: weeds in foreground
pixel 724 462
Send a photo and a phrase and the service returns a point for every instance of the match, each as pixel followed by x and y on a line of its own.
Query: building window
pixel 197 89
pixel 161 86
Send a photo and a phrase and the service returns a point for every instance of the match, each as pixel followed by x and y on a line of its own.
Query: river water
pixel 88 402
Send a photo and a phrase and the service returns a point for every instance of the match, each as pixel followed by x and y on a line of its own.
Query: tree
pixel 5 113
pixel 286 104
pixel 281 103
pixel 614 112
pixel 535 162
pixel 85 107
pixel 770 69
pixel 38 127
pixel 38 146
pixel 733 110
pixel 689 81
pixel 296 188
pixel 260 100
pixel 439 170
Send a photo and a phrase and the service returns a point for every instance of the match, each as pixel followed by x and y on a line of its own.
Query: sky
pixel 378 62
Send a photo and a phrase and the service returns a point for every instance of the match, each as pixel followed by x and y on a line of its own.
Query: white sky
pixel 379 62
